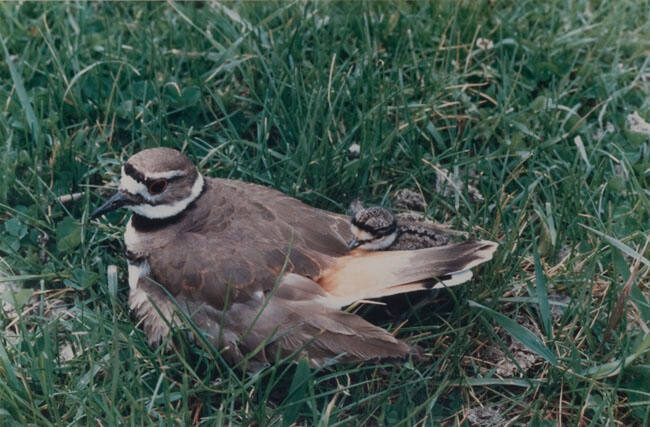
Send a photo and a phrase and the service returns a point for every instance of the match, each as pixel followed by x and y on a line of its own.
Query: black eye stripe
pixel 139 176
pixel 133 173
pixel 150 181
pixel 377 231
pixel 385 231
pixel 367 227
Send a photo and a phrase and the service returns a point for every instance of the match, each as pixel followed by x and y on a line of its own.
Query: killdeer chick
pixel 261 274
pixel 375 228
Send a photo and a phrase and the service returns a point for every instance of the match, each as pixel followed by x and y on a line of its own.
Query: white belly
pixel 137 271
pixel 131 238
pixel 139 301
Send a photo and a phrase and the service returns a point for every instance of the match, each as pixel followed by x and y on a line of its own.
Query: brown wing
pixel 241 236
pixel 311 230
pixel 287 322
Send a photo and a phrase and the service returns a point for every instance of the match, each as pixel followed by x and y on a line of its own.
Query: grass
pixel 276 93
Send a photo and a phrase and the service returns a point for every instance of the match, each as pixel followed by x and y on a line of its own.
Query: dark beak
pixel 354 243
pixel 117 200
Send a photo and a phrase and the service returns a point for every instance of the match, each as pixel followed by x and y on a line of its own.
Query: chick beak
pixel 354 243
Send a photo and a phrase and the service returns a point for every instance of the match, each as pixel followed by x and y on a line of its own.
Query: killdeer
pixel 261 274
pixel 375 228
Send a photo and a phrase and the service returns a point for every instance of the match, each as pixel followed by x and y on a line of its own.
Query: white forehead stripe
pixel 131 186
pixel 170 209
pixel 166 175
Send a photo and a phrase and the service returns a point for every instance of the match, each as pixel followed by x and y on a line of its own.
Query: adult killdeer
pixel 375 228
pixel 260 273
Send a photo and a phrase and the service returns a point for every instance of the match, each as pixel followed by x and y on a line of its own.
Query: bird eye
pixel 157 186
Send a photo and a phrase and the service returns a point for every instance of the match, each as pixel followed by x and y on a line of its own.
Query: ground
pixel 521 122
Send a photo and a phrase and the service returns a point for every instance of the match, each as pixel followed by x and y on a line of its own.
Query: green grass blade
pixel 541 291
pixel 518 332
pixel 614 367
pixel 620 245
pixel 509 382
pixel 32 121
pixel 298 391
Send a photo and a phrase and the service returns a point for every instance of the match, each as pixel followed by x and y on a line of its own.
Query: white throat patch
pixel 380 243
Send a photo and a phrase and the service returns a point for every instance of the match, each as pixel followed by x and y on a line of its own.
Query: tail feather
pixel 374 274
pixel 444 282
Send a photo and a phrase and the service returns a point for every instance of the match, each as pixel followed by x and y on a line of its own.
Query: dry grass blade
pixel 619 308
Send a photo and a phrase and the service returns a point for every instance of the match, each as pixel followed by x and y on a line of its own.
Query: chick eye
pixel 157 186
